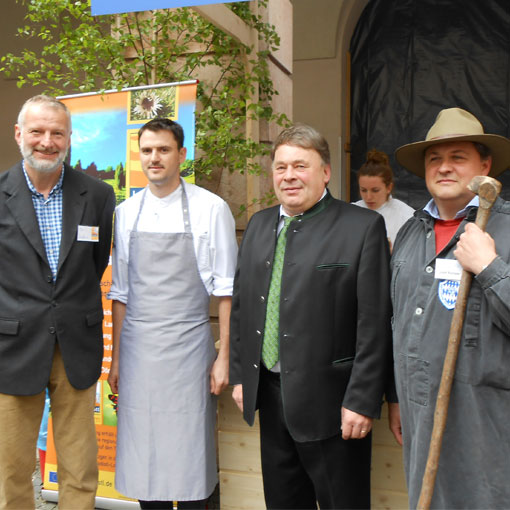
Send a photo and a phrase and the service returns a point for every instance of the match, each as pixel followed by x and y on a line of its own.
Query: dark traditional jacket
pixel 335 345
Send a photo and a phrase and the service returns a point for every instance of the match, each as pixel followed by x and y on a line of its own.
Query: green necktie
pixel 271 329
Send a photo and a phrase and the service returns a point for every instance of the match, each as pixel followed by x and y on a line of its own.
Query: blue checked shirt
pixel 49 215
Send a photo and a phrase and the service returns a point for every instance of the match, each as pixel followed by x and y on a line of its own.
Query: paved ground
pixel 41 504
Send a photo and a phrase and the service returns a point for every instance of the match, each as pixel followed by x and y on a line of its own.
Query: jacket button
pixel 268 263
pixel 419 311
pixel 429 234
pixel 255 366
pixel 262 299
pixel 259 332
pixel 52 330
pixel 49 278
pixel 429 269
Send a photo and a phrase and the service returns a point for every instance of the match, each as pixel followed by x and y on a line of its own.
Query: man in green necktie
pixel 310 332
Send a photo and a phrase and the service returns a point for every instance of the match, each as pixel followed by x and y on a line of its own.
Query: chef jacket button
pixel 262 299
pixel 255 365
pixel 259 332
pixel 49 278
pixel 429 269
pixel 268 263
pixel 419 311
pixel 429 234
pixel 52 330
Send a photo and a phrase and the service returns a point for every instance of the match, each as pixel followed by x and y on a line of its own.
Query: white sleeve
pixel 120 258
pixel 223 249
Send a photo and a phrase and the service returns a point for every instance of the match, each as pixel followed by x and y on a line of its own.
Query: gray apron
pixel 166 413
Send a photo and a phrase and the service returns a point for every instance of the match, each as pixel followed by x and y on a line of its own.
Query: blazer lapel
pixel 19 202
pixel 73 207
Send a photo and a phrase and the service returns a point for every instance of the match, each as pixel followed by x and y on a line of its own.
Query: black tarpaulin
pixel 409 60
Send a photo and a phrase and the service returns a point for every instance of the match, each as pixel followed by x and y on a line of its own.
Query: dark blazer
pixel 335 334
pixel 34 311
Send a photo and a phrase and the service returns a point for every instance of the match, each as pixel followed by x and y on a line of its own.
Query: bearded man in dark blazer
pixel 318 395
pixel 55 236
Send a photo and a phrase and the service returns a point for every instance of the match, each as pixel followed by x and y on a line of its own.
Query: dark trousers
pixel 333 472
pixel 168 505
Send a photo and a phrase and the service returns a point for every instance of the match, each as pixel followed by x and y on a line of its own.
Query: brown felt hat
pixel 455 125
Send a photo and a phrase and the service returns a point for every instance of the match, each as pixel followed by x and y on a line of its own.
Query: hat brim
pixel 412 155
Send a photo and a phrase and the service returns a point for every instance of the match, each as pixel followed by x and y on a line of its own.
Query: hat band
pixel 453 135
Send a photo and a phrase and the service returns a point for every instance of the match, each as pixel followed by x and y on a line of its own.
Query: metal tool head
pixel 487 188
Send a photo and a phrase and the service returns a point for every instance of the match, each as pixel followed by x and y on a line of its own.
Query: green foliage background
pixel 82 53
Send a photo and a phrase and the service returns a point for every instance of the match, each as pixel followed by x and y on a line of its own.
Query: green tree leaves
pixel 82 53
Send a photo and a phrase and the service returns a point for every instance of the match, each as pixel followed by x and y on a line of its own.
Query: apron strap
pixel 185 209
pixel 135 225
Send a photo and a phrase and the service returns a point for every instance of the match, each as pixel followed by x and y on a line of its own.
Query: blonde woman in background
pixel 375 181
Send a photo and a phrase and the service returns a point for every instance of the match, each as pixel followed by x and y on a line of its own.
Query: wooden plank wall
pixel 239 459
pixel 389 490
pixel 240 472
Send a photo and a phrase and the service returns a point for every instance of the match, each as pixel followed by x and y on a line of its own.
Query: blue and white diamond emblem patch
pixel 447 292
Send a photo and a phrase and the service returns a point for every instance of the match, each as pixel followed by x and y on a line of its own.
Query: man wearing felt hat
pixel 430 252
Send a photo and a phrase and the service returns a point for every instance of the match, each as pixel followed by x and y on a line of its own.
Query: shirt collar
pixel 432 209
pixel 283 213
pixel 167 199
pixel 31 187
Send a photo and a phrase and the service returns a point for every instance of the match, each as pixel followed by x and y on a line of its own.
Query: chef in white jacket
pixel 174 246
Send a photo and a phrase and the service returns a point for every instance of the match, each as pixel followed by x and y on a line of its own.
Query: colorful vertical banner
pixel 104 144
pixel 98 7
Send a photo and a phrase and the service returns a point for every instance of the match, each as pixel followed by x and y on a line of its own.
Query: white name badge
pixel 88 234
pixel 448 269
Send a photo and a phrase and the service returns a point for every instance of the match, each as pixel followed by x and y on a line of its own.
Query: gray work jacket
pixel 474 467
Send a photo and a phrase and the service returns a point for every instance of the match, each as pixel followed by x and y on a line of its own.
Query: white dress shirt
pixel 212 226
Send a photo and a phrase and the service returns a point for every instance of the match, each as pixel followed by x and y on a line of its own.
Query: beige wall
pixel 322 34
pixel 11 97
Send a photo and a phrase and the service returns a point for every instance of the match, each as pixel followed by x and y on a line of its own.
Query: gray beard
pixel 43 167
